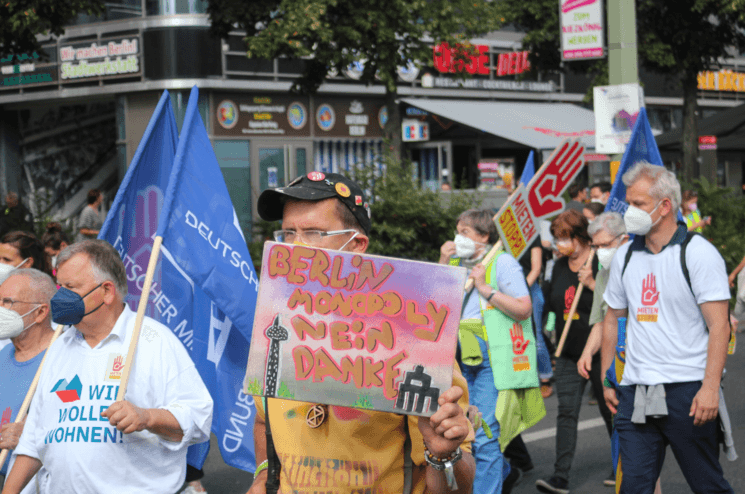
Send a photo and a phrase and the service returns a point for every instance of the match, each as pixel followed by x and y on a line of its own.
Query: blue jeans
pixel 643 446
pixel 491 468
pixel 544 359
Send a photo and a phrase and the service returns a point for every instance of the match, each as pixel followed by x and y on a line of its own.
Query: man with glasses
pixel 608 233
pixel 352 450
pixel 87 441
pixel 25 319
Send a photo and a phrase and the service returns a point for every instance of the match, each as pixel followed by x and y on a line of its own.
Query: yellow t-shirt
pixel 353 451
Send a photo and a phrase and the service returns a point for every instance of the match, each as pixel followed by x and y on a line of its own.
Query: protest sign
pixel 517 219
pixel 354 330
pixel 616 109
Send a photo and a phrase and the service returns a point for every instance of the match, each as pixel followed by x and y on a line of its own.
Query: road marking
pixel 546 433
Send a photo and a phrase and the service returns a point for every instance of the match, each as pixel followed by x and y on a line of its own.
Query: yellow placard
pixel 614 166
pixel 512 233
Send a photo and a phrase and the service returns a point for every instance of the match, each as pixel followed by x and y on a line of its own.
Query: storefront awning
pixel 537 125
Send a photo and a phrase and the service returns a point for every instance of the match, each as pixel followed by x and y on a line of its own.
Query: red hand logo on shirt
pixel 6 416
pixel 519 343
pixel 118 364
pixel 569 298
pixel 649 290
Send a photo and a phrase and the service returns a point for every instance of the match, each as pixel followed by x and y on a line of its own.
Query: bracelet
pixel 262 466
pixel 444 465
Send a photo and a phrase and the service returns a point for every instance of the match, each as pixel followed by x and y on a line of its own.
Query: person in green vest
pixel 691 213
pixel 495 320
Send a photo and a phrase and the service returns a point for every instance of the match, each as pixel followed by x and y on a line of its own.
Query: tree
pixel 332 34
pixel 679 39
pixel 22 20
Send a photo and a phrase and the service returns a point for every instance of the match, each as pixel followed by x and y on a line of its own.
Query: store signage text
pixel 724 80
pixel 21 67
pixel 445 61
pixel 114 58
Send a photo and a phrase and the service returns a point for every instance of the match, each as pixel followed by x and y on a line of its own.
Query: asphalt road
pixel 592 462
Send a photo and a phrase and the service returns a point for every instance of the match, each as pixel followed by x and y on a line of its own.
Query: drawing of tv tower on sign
pixel 276 333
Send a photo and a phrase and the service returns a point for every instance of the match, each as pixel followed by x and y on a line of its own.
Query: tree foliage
pixel 332 34
pixel 22 20
pixel 674 38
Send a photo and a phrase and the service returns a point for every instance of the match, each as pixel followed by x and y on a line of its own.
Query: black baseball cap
pixel 316 186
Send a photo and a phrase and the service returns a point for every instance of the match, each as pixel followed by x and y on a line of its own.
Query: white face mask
pixel 599 201
pixel 6 269
pixel 54 261
pixel 638 221
pixel 605 255
pixel 11 322
pixel 465 248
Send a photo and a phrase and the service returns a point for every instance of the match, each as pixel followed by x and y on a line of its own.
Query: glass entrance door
pixel 279 164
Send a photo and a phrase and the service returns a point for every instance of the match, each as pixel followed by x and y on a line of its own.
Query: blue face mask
pixel 68 307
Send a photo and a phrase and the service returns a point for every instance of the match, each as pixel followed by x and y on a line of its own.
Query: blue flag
pixel 528 171
pixel 130 227
pixel 641 146
pixel 202 236
pixel 175 300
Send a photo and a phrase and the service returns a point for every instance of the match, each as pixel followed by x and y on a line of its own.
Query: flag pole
pixel 140 316
pixel 573 309
pixel 31 390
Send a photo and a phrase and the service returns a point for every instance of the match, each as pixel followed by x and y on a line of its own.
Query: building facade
pixel 72 119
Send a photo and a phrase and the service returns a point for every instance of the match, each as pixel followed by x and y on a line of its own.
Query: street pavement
pixel 592 462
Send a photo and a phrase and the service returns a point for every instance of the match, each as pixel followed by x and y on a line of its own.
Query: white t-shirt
pixel 666 337
pixel 79 449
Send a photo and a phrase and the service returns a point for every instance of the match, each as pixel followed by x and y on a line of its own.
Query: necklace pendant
pixel 315 416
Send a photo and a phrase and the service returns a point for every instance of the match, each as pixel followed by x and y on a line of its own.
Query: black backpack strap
pixel 683 262
pixel 274 467
pixel 637 243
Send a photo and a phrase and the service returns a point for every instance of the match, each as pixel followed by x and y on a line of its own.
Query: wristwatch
pixel 445 465
pixel 488 299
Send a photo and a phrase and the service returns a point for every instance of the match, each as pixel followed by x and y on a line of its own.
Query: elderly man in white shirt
pixel 86 441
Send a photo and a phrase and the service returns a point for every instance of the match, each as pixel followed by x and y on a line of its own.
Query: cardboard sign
pixel 517 219
pixel 354 330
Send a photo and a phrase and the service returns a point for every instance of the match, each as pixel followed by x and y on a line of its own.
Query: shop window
pixel 115 10
pixel 234 160
pixel 171 7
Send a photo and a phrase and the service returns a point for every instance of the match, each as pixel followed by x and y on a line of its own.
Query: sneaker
pixel 611 480
pixel 553 485
pixel 512 480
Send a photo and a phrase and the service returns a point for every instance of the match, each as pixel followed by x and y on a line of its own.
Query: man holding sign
pixel 88 442
pixel 384 450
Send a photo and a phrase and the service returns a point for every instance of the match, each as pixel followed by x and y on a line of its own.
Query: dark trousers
pixel 643 446
pixel 570 387
pixel 517 453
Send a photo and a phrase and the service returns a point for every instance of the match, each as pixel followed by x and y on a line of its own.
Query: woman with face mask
pixel 691 213
pixel 23 250
pixel 573 242
pixel 54 241
pixel 501 286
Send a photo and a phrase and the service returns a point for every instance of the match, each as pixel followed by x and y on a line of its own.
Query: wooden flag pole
pixel 486 260
pixel 31 390
pixel 140 316
pixel 573 309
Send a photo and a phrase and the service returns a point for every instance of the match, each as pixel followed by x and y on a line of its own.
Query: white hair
pixel 40 285
pixel 664 183
pixel 610 222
